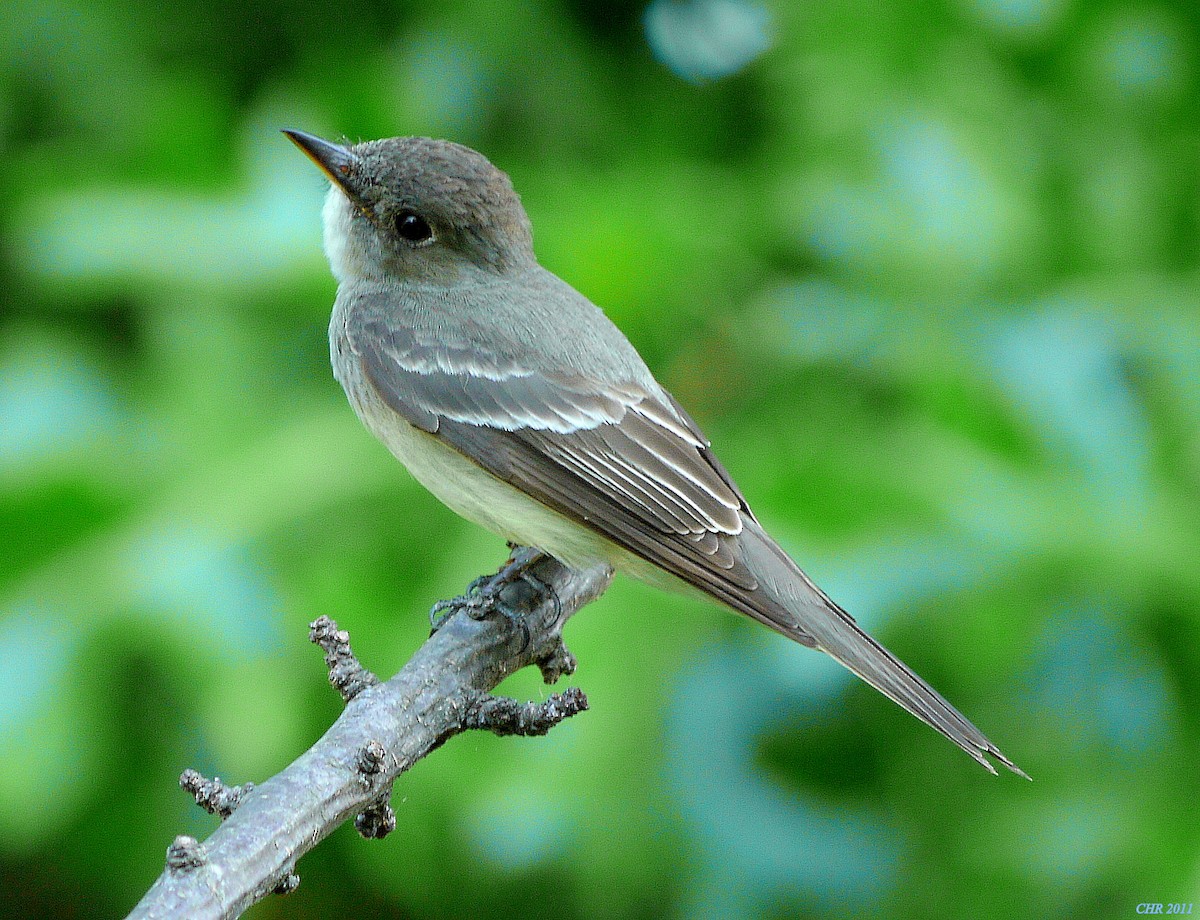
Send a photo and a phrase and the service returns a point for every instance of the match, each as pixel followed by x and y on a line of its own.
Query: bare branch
pixel 502 716
pixel 384 730
pixel 213 795
pixel 348 677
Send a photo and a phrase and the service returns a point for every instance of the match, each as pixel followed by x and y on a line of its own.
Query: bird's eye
pixel 413 227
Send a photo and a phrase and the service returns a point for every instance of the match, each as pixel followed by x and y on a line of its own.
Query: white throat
pixel 346 260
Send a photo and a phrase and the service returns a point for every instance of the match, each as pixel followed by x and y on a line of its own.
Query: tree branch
pixel 498 628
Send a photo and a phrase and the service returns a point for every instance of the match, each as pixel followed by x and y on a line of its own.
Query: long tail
pixel 790 603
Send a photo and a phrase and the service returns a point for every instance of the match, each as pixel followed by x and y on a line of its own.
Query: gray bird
pixel 517 402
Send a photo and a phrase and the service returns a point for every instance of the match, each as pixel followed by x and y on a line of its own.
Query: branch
pixel 500 627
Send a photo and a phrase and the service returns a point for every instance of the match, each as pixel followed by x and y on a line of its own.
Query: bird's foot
pixel 440 612
pixel 511 588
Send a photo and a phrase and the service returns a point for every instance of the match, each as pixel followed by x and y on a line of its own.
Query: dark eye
pixel 412 227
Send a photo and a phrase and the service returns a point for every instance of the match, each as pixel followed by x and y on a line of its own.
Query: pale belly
pixel 482 498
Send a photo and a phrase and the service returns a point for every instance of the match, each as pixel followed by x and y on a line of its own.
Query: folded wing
pixel 629 464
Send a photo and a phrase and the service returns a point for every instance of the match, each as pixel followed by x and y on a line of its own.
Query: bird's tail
pixel 790 603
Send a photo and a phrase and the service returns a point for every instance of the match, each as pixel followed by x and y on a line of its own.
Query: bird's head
pixel 417 209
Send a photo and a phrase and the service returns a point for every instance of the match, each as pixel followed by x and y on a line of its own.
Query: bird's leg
pixel 517 571
pixel 484 595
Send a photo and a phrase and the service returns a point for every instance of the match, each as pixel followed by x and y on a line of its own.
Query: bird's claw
pixel 485 596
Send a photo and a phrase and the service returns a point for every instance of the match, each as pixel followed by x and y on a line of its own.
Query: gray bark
pixel 385 729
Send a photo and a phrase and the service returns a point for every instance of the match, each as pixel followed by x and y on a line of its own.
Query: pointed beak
pixel 339 163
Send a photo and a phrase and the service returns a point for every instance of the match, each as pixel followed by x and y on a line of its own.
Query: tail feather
pixel 790 603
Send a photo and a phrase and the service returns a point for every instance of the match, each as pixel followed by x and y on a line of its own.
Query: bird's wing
pixel 615 458
pixel 631 466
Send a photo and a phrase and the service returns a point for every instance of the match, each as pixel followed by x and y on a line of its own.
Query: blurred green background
pixel 925 272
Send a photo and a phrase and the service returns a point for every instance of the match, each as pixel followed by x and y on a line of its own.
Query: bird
pixel 520 405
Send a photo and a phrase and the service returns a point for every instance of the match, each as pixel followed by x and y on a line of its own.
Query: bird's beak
pixel 337 162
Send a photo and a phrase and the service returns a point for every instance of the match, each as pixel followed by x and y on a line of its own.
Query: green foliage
pixel 926 273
